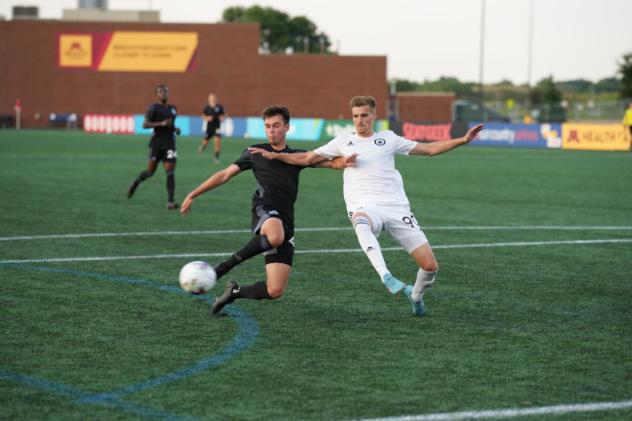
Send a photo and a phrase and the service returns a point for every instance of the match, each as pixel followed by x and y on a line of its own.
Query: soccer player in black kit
pixel 272 211
pixel 213 113
pixel 161 116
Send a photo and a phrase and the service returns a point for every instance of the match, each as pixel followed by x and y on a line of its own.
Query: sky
pixel 427 39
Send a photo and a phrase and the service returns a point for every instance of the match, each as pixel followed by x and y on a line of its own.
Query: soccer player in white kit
pixel 374 192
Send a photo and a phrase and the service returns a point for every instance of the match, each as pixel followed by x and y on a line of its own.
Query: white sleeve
pixel 330 150
pixel 403 146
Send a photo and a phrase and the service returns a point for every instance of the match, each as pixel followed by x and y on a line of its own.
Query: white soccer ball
pixel 197 277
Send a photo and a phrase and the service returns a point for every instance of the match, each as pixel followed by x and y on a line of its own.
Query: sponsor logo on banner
pixel 108 123
pixel 596 137
pixel 519 135
pixel 75 50
pixel 426 132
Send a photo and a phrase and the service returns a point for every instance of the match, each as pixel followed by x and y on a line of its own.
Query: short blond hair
pixel 361 101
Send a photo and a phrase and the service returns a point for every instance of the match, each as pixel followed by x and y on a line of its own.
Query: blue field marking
pixel 77 394
pixel 247 333
pixel 243 340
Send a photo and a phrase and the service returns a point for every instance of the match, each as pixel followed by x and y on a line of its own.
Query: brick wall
pixel 227 63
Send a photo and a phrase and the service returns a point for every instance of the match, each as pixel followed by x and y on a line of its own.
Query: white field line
pixel 323 251
pixel 317 229
pixel 513 412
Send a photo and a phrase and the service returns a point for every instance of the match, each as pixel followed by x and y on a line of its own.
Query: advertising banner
pixel 182 121
pixel 428 132
pixel 595 137
pixel 520 135
pixel 108 123
pixel 231 126
pixel 128 51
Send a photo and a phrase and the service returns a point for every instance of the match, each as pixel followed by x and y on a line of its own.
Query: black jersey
pixel 214 112
pixel 277 182
pixel 164 136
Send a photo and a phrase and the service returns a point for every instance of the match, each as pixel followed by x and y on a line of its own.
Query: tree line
pixel 284 34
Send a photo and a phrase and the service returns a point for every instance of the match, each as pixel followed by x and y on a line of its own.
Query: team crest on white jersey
pixel 380 142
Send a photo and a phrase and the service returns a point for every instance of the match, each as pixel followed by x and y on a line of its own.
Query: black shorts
pixel 212 130
pixel 285 252
pixel 161 154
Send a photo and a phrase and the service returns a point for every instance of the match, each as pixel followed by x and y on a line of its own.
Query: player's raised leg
pixel 362 225
pixel 278 270
pixel 270 236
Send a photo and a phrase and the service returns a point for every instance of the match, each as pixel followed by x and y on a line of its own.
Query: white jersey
pixel 373 180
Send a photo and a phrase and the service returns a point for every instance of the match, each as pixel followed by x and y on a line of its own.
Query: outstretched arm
pixel 439 147
pixel 213 181
pixel 304 159
pixel 339 163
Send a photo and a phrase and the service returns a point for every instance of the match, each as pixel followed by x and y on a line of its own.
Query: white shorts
pixel 398 221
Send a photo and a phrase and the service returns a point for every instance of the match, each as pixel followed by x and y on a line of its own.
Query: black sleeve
pixel 149 116
pixel 244 162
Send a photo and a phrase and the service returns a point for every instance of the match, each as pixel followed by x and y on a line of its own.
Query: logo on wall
pixel 75 50
pixel 380 142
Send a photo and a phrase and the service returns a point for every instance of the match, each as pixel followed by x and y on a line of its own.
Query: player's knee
pixel 360 219
pixel 276 291
pixel 275 239
pixel 430 266
pixel 273 232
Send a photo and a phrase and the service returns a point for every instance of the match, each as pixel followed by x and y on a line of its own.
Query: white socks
pixel 370 245
pixel 422 283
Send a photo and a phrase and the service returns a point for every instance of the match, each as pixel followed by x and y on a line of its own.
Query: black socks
pixel 257 245
pixel 256 291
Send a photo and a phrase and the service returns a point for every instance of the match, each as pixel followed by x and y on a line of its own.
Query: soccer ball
pixel 197 277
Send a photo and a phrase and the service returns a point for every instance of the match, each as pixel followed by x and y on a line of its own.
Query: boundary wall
pixel 574 136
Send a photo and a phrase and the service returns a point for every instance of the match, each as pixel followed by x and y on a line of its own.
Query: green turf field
pixel 532 307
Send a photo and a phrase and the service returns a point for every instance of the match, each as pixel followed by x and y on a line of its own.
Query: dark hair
pixel 165 87
pixel 361 101
pixel 273 110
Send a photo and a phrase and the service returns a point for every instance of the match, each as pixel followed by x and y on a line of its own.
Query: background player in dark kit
pixel 161 116
pixel 213 113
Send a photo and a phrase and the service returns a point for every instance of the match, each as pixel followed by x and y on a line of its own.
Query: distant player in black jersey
pixel 213 114
pixel 160 116
pixel 272 211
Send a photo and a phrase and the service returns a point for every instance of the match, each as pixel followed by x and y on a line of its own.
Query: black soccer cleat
pixel 229 295
pixel 132 188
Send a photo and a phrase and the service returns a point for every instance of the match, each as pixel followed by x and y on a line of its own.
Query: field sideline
pixel 530 318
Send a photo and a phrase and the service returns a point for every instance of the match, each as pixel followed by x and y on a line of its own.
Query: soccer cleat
pixel 132 188
pixel 172 206
pixel 393 284
pixel 418 306
pixel 229 295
